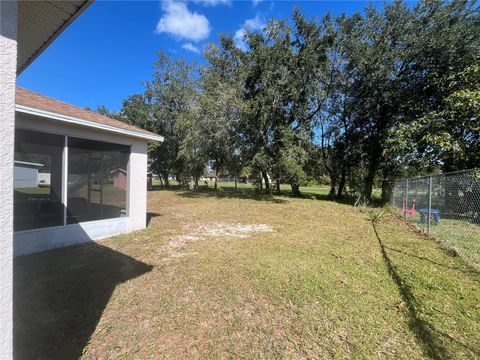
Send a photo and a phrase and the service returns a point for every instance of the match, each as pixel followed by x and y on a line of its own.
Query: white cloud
pixel 254 24
pixel 190 47
pixel 212 2
pixel 178 21
pixel 250 25
pixel 256 2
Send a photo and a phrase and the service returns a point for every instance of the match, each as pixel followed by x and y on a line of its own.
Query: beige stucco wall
pixel 28 241
pixel 8 68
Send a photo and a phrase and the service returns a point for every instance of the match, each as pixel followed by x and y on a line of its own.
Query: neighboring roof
pixel 40 22
pixel 32 103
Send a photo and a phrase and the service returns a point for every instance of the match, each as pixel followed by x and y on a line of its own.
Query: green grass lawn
pixel 242 275
pixel 459 235
pixel 462 236
pixel 40 190
pixel 321 190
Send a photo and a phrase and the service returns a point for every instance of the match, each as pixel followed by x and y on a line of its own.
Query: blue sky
pixel 109 51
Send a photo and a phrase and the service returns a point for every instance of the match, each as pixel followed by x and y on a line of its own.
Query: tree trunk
pixel 267 183
pixel 333 185
pixel 165 181
pixel 368 186
pixel 278 186
pixel 386 191
pixel 341 186
pixel 236 188
pixel 216 176
pixel 195 183
pixel 296 190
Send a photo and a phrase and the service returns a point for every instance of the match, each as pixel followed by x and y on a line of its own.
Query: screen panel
pixel 97 180
pixel 37 180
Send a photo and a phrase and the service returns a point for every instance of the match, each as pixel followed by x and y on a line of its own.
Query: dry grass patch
pixel 291 278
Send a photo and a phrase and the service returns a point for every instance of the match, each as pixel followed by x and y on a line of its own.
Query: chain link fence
pixel 446 206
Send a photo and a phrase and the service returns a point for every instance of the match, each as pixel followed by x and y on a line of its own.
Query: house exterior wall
pixel 31 241
pixel 8 68
pixel 43 239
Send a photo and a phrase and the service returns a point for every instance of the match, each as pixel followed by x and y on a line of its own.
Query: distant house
pixel 119 178
pixel 25 174
pixel 211 176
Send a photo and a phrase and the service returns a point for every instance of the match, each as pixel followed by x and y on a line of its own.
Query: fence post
pixel 406 201
pixel 429 203
pixel 394 192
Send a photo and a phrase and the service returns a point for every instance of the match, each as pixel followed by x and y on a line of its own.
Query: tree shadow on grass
pixel 469 270
pixel 344 199
pixel 59 297
pixel 161 188
pixel 429 338
pixel 252 193
pixel 230 193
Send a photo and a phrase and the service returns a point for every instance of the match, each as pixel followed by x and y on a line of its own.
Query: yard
pixel 237 275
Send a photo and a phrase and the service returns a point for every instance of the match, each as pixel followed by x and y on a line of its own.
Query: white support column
pixel 8 73
pixel 137 186
pixel 65 179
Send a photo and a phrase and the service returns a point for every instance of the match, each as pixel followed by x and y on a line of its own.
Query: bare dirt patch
pixel 176 245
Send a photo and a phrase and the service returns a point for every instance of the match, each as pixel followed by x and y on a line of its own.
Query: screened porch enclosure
pixel 92 192
pixel 61 180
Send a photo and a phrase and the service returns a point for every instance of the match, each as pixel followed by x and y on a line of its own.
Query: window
pixel 37 180
pixel 97 180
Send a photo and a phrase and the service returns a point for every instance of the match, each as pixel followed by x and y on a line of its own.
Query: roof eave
pixel 54 35
pixel 87 123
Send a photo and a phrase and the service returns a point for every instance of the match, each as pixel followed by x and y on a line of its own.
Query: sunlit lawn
pixel 324 283
pixel 462 236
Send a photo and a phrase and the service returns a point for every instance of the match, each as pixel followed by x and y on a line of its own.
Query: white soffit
pixel 40 22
